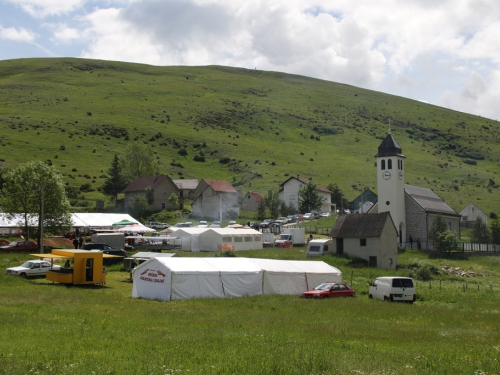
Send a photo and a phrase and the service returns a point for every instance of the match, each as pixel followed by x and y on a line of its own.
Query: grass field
pixel 453 328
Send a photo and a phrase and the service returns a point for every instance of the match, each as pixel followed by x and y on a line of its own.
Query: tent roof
pixel 149 254
pixel 234 231
pixel 240 265
pixel 188 230
pixel 91 219
pixel 139 228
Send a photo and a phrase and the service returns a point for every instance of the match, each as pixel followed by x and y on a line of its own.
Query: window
pixel 382 165
pixel 227 239
pixel 238 239
pixel 248 238
pixel 257 238
pixel 362 242
pixel 163 205
pixel 389 164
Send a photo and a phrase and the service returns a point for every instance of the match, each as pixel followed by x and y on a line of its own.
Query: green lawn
pixel 453 328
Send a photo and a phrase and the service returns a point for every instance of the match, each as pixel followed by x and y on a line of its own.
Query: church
pixel 413 209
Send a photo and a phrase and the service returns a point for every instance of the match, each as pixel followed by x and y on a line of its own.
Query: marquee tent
pixel 190 237
pixel 135 228
pixel 168 279
pixel 209 239
pixel 294 277
pixel 183 278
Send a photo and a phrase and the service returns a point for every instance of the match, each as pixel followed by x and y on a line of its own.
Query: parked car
pixel 32 268
pixel 308 216
pixel 330 290
pixel 291 219
pixel 215 224
pixel 156 225
pixel 96 246
pixel 182 225
pixel 20 246
pixel 266 223
pixel 203 224
pixel 109 250
pixel 326 214
pixel 232 222
pixel 393 288
pixel 282 220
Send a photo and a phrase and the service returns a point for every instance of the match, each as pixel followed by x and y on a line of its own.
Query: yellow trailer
pixel 86 268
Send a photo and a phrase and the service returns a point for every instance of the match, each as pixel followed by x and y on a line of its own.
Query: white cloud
pixel 64 34
pixel 44 8
pixel 17 35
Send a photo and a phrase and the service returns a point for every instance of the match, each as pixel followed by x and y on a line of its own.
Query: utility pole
pixel 41 222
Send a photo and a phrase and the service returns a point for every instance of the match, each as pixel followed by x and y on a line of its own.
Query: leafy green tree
pixel 495 231
pixel 438 226
pixel 309 198
pixel 116 181
pixel 480 232
pixel 261 210
pixel 337 197
pixel 139 161
pixel 173 200
pixel 37 191
pixel 150 195
pixel 446 241
pixel 273 203
pixel 138 207
pixel 291 209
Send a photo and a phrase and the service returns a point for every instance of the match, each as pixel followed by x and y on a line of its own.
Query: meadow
pixel 453 328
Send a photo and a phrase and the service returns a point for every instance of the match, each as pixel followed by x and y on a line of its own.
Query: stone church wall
pixel 416 225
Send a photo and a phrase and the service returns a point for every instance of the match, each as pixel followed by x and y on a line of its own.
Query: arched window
pixel 382 165
pixel 389 164
pixel 401 164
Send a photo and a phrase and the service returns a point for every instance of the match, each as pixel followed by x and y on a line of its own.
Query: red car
pixel 330 290
pixel 20 246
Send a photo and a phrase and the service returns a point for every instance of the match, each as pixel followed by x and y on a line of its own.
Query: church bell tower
pixel 390 183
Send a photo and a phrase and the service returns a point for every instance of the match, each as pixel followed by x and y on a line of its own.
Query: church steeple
pixel 389 147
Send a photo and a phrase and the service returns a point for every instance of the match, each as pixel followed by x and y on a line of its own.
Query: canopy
pixel 124 222
pixel 169 279
pixel 137 228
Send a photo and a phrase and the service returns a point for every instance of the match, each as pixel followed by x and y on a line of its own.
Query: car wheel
pixel 23 275
pixel 386 298
pixel 326 297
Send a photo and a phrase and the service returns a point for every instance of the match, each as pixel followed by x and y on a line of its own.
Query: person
pixel 75 243
pixel 67 265
pixel 310 237
pixel 80 242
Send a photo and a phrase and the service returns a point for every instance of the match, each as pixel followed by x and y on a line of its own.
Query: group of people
pixel 78 242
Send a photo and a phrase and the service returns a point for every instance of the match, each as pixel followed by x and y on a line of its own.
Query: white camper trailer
pixel 319 247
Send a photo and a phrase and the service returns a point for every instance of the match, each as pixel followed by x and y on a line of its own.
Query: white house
pixel 289 193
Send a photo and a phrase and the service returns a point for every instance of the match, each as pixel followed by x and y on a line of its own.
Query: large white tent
pixel 94 220
pixel 183 278
pixel 294 277
pixel 209 239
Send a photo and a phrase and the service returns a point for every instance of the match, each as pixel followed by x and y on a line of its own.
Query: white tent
pixel 238 238
pixel 186 235
pixel 294 277
pixel 97 220
pixel 183 278
pixel 135 228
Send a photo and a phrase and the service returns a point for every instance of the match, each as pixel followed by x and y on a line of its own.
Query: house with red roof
pixel 215 199
pixel 251 201
pixel 162 188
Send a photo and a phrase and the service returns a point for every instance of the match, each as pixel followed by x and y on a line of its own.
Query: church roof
pixel 389 147
pixel 361 225
pixel 429 200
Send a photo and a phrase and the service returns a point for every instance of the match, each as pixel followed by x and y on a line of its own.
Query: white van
pixel 393 288
pixel 319 247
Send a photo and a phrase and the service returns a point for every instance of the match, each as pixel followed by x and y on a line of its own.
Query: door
pixel 372 262
pixel 89 270
pixel 340 246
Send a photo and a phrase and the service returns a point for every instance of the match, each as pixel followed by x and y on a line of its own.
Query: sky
pixel 442 52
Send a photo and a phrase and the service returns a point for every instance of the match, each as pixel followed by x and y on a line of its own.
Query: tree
pixel 309 198
pixel 273 202
pixel 116 181
pixel 480 232
pixel 37 190
pixel 173 200
pixel 261 210
pixel 495 231
pixel 139 161
pixel 150 195
pixel 438 226
pixel 337 197
pixel 138 206
pixel 443 239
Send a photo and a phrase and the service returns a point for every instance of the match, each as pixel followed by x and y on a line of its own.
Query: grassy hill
pixel 254 128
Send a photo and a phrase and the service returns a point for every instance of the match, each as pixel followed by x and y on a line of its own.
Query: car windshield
pixel 13 243
pixel 27 264
pixel 323 287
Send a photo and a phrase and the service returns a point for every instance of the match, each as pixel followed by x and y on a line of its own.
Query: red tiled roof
pixel 220 186
pixel 140 184
pixel 256 196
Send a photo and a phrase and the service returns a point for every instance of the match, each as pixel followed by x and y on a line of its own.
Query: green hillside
pixel 254 128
